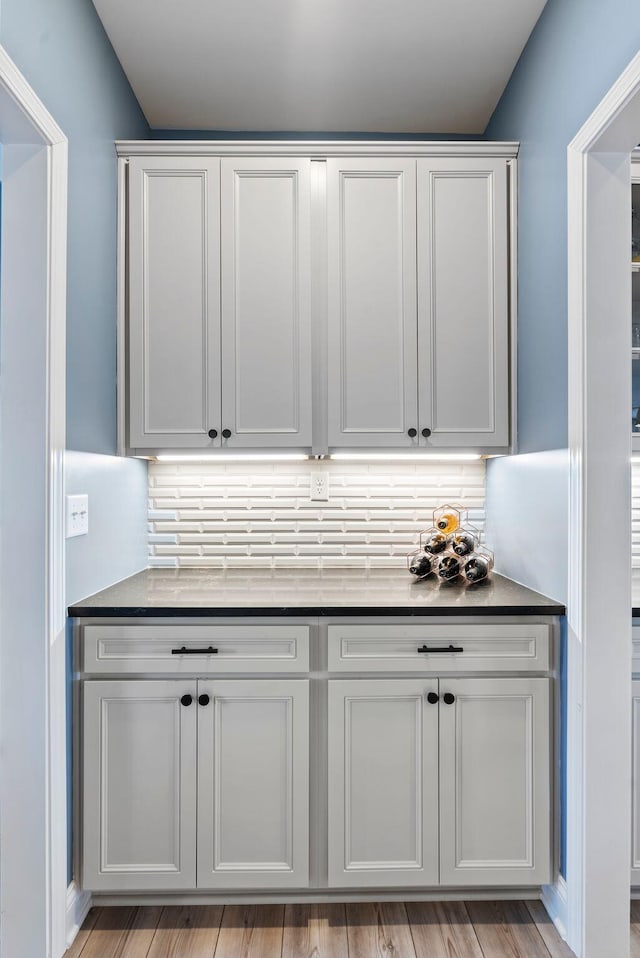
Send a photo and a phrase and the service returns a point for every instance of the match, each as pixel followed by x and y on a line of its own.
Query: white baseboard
pixel 554 899
pixel 315 896
pixel 78 905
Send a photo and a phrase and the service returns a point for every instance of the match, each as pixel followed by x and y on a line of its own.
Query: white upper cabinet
pixel 220 334
pixel 266 301
pixel 463 308
pixel 174 301
pixel 316 302
pixel 372 373
pixel 432 372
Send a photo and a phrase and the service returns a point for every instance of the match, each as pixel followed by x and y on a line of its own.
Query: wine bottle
pixel 420 564
pixel 435 543
pixel 449 567
pixel 463 543
pixel 447 523
pixel 477 568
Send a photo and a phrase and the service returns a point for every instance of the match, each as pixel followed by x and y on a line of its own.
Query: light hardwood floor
pixel 394 930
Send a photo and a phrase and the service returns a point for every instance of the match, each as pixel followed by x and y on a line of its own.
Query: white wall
pixel 527 519
pixel 116 545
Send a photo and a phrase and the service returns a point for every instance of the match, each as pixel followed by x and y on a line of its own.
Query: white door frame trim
pixel 16 95
pixel 599 607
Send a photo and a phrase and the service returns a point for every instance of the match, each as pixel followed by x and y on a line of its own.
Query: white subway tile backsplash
pixel 259 514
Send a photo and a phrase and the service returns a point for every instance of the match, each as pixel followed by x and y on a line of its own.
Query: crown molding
pixel 316 149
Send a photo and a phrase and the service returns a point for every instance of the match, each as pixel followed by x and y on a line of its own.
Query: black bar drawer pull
pixel 440 648
pixel 185 651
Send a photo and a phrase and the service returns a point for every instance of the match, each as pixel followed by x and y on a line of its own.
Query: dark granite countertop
pixel 308 592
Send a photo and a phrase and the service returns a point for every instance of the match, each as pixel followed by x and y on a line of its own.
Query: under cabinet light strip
pixel 225 457
pixel 344 456
pixel 410 456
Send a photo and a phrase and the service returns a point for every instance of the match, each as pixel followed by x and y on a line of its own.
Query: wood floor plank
pixel 187 931
pixel 81 938
pixel 442 930
pixel 122 932
pixel 556 947
pixel 505 929
pixel 635 929
pixel 315 931
pixel 379 931
pixel 251 931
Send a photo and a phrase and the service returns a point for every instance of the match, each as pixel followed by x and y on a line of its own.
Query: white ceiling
pixel 377 66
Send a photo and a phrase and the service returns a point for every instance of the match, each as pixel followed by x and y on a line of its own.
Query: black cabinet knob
pixel 213 434
pixel 226 433
pixel 449 698
pixel 203 699
pixel 412 433
pixel 432 698
pixel 426 433
pixel 186 700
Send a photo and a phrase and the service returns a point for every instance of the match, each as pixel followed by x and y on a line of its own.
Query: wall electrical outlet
pixel 319 486
pixel 77 517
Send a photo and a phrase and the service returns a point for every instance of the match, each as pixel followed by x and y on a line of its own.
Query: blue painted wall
pixel 63 51
pixel 576 52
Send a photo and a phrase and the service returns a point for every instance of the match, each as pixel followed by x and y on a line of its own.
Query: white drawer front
pixel 445 648
pixel 186 648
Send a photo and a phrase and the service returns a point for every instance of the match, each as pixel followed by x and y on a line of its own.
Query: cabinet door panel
pixel 494 782
pixel 635 795
pixel 253 790
pixel 266 318
pixel 372 369
pixel 463 302
pixel 139 803
pixel 383 792
pixel 174 301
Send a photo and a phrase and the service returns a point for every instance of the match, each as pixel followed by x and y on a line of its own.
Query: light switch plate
pixel 77 518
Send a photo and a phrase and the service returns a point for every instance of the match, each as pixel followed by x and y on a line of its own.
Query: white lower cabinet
pixel 200 782
pixel 253 784
pixel 184 771
pixel 439 782
pixel 383 782
pixel 139 785
pixel 495 808
pixel 635 779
